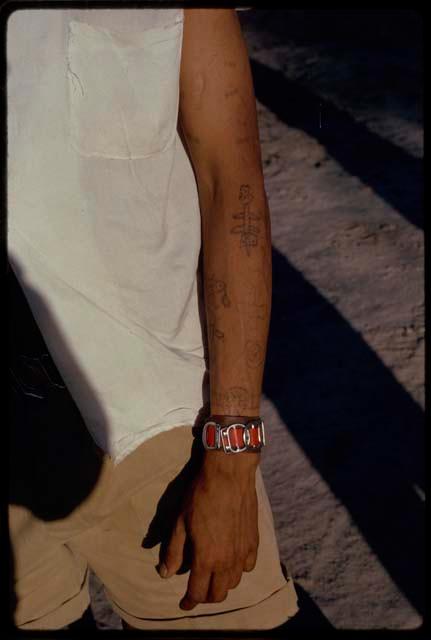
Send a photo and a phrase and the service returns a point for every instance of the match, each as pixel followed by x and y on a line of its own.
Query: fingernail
pixel 163 570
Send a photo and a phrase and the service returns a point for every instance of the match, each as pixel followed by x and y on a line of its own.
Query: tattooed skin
pixel 239 305
pixel 252 309
pixel 248 231
pixel 216 298
pixel 217 293
pixel 255 314
pixel 237 397
pixel 254 353
pixel 214 336
pixel 214 332
pixel 230 93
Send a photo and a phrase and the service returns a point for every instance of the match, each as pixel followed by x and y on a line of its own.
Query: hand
pixel 219 520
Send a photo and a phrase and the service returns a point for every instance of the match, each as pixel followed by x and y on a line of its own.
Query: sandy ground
pixel 339 105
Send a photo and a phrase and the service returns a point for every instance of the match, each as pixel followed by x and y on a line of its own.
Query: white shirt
pixel 104 228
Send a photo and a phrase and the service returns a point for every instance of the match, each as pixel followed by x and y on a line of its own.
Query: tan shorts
pixel 118 530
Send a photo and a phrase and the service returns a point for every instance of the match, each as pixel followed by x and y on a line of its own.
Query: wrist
pixel 240 466
pixel 242 463
pixel 225 419
pixel 225 435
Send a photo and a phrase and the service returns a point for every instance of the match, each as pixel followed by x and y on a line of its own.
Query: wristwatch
pixel 234 438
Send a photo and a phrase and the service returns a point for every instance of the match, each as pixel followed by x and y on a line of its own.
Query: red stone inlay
pixel 236 436
pixel 254 436
pixel 211 435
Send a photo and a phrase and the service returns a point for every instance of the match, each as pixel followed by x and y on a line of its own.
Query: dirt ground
pixel 339 97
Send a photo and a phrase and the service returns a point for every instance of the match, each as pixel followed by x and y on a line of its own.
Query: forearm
pixel 237 287
pixel 217 118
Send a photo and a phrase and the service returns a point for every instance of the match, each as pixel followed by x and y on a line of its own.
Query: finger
pixel 250 561
pixel 173 557
pixel 197 587
pixel 219 586
pixel 235 578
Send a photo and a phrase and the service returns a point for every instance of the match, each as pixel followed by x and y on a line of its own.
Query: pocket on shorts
pixel 123 92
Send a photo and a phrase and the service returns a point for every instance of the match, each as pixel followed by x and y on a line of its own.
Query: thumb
pixel 173 557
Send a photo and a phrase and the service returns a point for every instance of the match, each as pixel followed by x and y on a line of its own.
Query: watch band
pixel 236 437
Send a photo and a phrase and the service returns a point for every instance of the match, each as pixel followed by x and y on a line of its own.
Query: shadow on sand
pixel 393 174
pixel 358 426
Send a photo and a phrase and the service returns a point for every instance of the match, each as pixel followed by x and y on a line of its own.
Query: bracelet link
pixel 234 438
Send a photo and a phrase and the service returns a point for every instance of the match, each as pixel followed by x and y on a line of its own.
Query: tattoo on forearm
pixel 248 231
pixel 214 332
pixel 237 397
pixel 256 314
pixel 254 353
pixel 217 293
pixel 254 310
pixel 230 93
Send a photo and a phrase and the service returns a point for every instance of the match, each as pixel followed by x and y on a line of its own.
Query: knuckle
pixel 204 566
pixel 176 528
pixel 250 565
pixel 241 560
pixel 255 541
pixel 217 597
pixel 221 597
pixel 171 546
pixel 236 579
pixel 220 565
pixel 250 560
pixel 196 596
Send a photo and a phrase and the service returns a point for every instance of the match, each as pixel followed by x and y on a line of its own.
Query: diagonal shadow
pixel 391 172
pixel 47 432
pixel 359 427
pixel 53 462
pixel 394 31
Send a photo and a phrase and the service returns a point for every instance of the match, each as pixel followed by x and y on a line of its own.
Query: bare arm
pixel 218 121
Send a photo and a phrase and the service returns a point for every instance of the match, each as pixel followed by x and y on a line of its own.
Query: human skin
pixel 217 116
